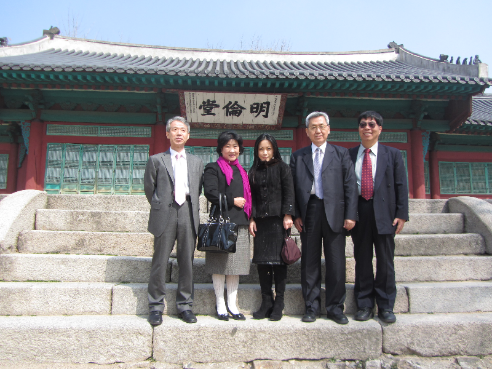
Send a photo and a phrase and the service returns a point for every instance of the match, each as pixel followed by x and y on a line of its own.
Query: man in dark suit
pixel 325 205
pixel 173 183
pixel 383 211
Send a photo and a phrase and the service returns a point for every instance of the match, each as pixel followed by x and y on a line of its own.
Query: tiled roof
pixel 230 65
pixel 481 111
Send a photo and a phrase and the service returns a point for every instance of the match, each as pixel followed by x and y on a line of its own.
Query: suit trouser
pixel 316 230
pixel 179 228
pixel 364 235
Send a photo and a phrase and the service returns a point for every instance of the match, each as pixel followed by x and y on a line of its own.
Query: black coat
pixel 390 197
pixel 272 190
pixel 340 194
pixel 214 182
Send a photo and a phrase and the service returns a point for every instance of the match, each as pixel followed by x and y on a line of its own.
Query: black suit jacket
pixel 340 195
pixel 390 197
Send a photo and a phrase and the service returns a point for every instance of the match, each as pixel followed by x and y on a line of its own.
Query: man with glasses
pixel 383 211
pixel 325 206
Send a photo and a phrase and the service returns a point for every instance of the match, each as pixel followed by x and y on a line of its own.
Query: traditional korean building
pixel 82 116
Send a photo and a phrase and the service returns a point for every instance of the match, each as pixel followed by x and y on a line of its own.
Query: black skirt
pixel 268 241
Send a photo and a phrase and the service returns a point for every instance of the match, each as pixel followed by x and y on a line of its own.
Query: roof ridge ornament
pixel 394 45
pixel 51 32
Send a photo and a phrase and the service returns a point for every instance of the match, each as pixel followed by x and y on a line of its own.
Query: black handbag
pixel 218 235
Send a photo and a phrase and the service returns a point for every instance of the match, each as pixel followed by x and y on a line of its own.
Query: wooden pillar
pixel 418 175
pixel 160 139
pixel 34 180
pixel 12 169
pixel 435 185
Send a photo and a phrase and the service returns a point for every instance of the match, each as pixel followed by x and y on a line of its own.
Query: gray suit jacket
pixel 159 189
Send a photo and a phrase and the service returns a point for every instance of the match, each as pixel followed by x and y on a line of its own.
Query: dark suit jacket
pixel 390 197
pixel 159 189
pixel 339 184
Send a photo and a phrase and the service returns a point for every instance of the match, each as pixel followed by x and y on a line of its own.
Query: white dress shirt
pixel 360 159
pixel 182 182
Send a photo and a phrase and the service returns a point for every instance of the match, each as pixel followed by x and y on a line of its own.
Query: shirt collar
pixel 374 149
pixel 322 148
pixel 173 153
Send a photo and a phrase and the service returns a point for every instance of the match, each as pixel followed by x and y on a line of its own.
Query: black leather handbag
pixel 218 235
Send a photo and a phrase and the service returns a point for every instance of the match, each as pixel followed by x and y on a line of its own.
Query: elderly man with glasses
pixel 325 206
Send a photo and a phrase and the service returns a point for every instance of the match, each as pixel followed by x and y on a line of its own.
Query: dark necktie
pixel 366 186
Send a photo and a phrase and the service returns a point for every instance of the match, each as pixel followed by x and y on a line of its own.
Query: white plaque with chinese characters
pixel 230 108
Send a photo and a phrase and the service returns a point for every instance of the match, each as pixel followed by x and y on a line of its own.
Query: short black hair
pixel 225 137
pixel 371 114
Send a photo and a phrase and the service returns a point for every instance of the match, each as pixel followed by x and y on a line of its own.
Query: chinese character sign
pixel 209 107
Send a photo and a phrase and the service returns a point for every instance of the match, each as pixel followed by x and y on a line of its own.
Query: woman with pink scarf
pixel 227 176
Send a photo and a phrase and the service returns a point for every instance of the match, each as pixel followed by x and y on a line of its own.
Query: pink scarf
pixel 225 166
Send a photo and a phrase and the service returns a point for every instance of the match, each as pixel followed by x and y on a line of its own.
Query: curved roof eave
pixel 70 43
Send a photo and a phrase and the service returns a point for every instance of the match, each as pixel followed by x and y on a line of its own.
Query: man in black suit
pixel 383 211
pixel 326 204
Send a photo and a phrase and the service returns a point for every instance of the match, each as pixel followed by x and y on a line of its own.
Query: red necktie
pixel 366 186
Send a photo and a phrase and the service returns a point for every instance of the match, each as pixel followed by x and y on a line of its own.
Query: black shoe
pixel 278 308
pixel 309 317
pixel 155 318
pixel 339 318
pixel 364 314
pixel 238 316
pixel 265 308
pixel 223 317
pixel 387 316
pixel 187 316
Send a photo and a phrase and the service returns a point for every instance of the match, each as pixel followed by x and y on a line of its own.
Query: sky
pixel 430 27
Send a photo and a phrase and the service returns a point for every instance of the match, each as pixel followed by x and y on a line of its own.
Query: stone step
pixel 80 242
pixel 449 297
pixel 100 339
pixel 95 220
pixel 433 244
pixel 139 203
pixel 78 298
pixel 427 206
pixel 434 223
pixel 407 269
pixel 141 244
pixel 75 268
pixel 128 269
pixel 136 221
pixel 127 339
pixel 105 202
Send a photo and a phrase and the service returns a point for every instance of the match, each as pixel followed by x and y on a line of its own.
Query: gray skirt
pixel 237 263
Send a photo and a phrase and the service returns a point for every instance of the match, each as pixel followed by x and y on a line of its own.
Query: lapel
pixel 353 153
pixel 329 150
pixel 190 164
pixel 307 157
pixel 382 163
pixel 166 160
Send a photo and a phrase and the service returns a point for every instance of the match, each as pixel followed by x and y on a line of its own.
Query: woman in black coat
pixel 272 194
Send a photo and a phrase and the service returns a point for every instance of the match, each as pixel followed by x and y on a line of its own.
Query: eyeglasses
pixel 364 124
pixel 321 127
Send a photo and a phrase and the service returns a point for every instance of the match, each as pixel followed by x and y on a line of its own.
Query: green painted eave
pixel 81 80
pixel 463 148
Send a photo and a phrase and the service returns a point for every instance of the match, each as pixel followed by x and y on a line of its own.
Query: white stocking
pixel 232 285
pixel 218 281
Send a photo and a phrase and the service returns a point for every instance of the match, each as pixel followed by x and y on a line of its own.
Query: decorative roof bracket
pixel 417 112
pixel 35 102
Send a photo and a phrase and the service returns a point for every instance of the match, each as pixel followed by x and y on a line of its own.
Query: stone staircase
pixel 75 290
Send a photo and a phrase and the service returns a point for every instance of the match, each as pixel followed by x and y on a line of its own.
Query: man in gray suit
pixel 173 183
